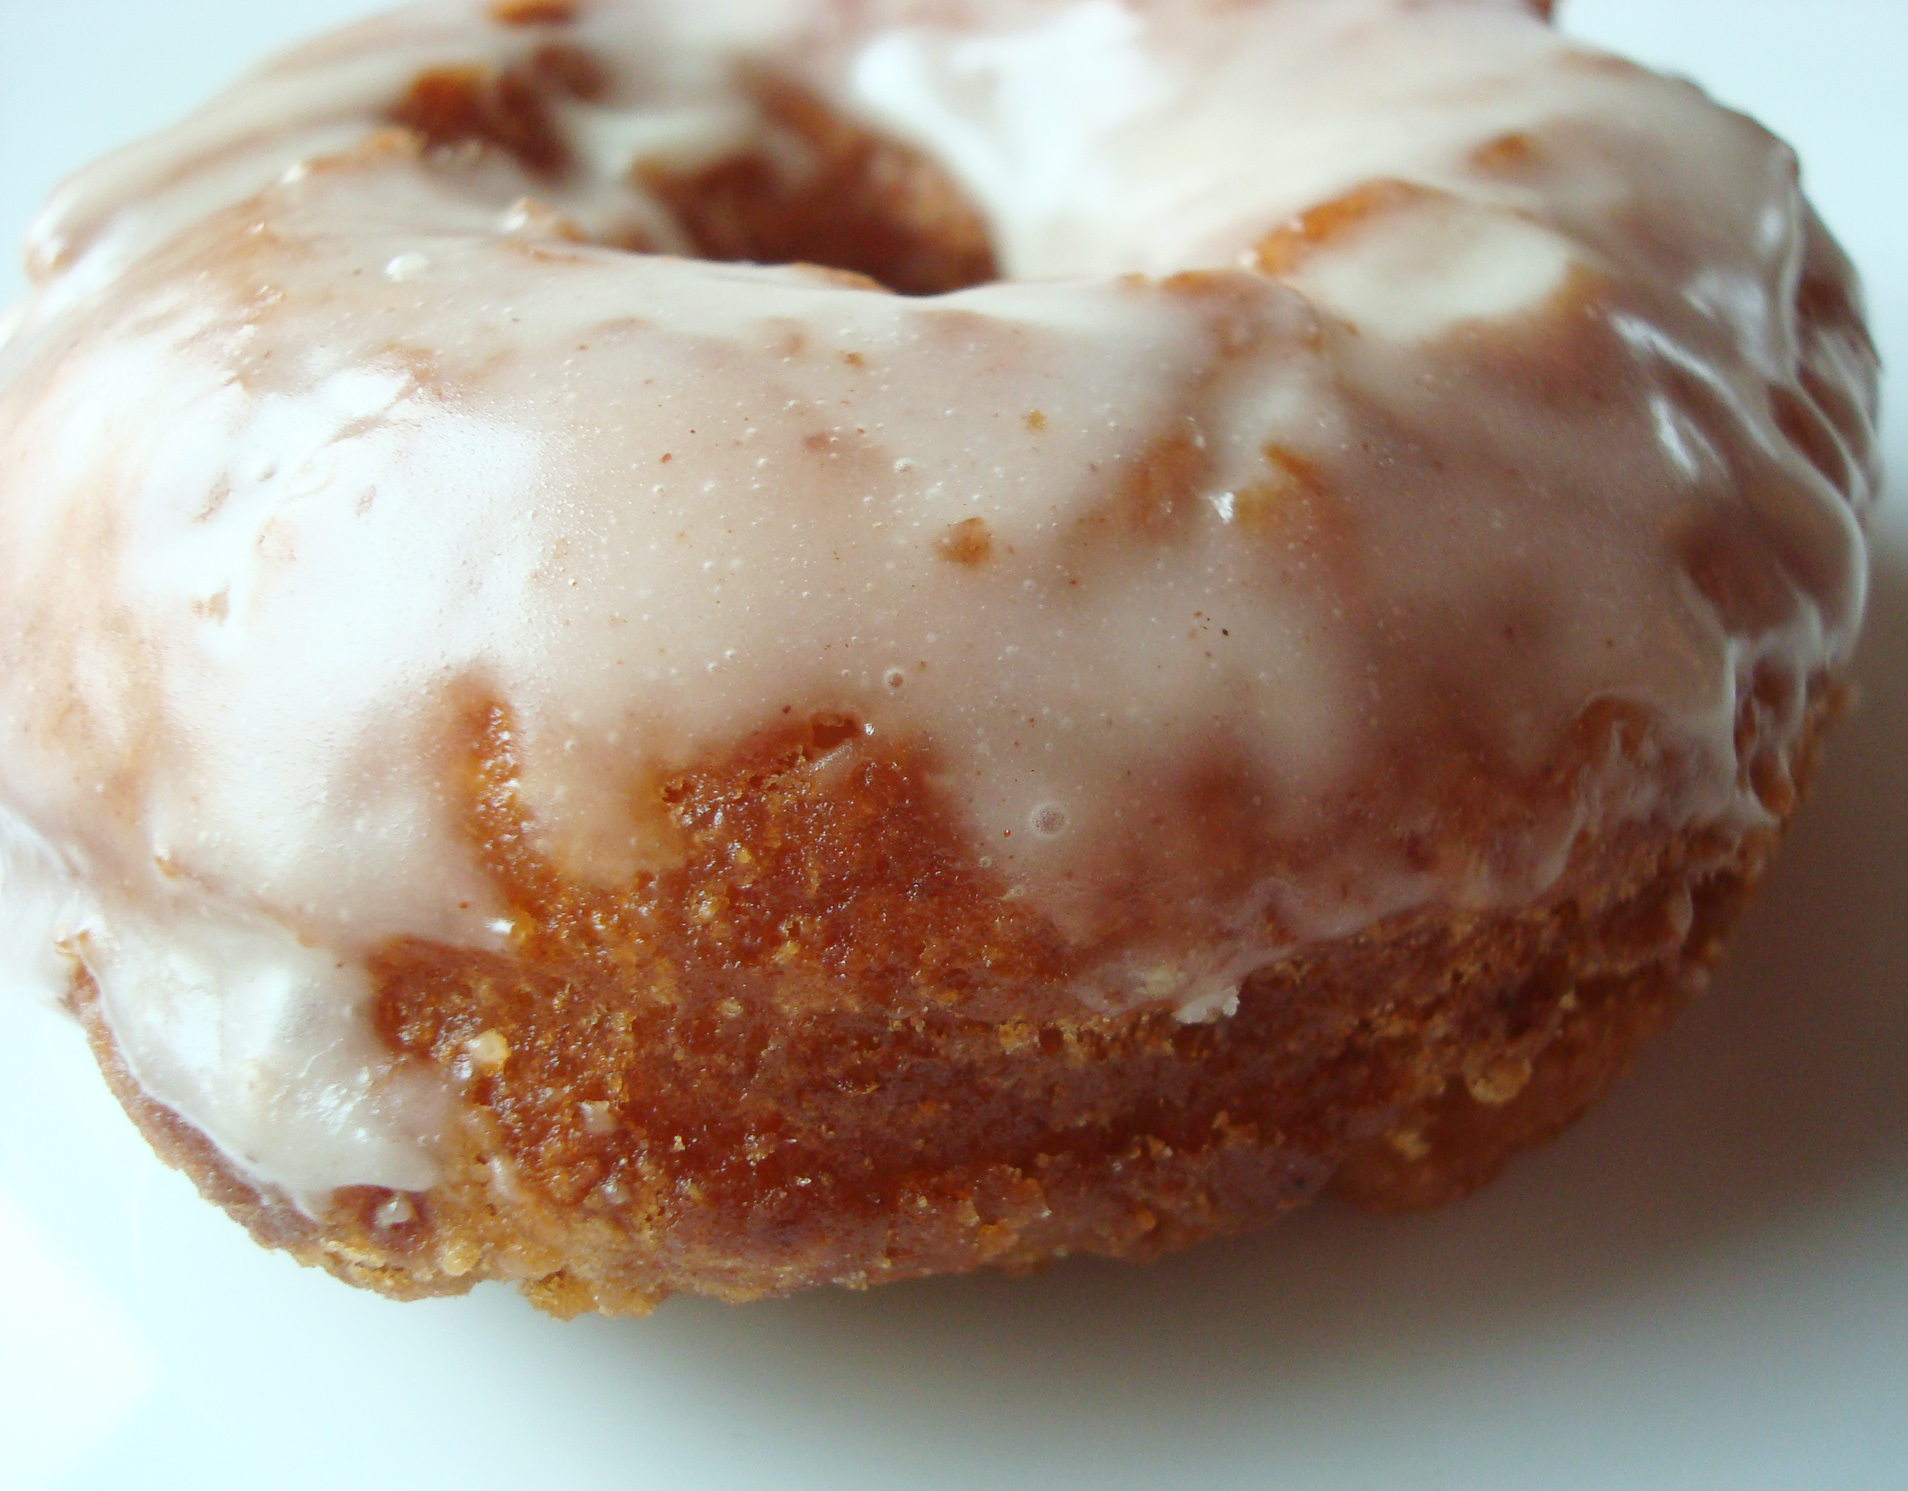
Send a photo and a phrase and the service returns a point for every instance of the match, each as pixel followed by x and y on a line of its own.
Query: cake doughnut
pixel 714 648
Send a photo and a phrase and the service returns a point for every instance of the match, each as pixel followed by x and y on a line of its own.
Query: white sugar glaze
pixel 301 434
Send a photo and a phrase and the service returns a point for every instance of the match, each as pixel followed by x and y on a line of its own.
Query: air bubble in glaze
pixel 1048 820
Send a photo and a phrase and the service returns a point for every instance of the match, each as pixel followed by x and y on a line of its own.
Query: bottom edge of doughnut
pixel 1399 1069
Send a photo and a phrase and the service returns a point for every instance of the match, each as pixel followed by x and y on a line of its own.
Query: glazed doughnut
pixel 653 647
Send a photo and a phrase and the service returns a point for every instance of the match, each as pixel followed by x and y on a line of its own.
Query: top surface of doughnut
pixel 1379 406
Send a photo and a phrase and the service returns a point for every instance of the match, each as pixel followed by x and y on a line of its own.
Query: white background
pixel 1704 1285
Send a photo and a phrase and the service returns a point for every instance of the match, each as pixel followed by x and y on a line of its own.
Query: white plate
pixel 1704 1284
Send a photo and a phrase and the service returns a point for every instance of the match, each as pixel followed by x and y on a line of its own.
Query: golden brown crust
pixel 793 1059
pixel 1501 1102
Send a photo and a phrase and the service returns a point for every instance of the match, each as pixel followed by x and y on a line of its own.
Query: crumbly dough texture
pixel 797 1063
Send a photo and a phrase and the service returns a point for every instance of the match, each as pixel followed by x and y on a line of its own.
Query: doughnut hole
pixel 819 189
pixel 533 12
pixel 510 110
pixel 811 187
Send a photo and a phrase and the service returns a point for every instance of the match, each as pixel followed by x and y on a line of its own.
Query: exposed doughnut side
pixel 554 757
pixel 653 1100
